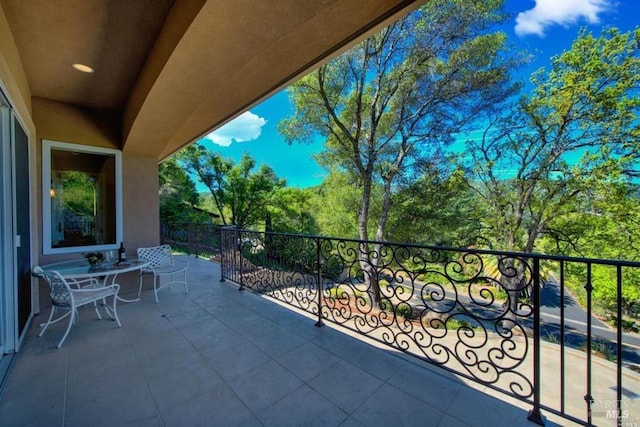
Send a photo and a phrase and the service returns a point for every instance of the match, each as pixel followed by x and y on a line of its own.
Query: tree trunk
pixel 514 281
pixel 367 263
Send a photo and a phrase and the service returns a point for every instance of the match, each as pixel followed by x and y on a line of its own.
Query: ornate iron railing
pixel 198 239
pixel 508 321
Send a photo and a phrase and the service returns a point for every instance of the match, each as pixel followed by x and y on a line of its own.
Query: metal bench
pixel 162 264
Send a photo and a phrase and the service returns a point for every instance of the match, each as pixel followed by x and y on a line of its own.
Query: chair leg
pixel 95 307
pixel 186 289
pixel 156 281
pixel 51 322
pixel 71 321
pixel 140 285
pixel 44 328
pixel 115 311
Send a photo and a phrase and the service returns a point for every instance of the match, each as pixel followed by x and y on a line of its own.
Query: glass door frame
pixel 8 308
pixel 13 330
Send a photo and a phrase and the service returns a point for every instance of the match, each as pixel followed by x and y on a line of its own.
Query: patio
pixel 218 356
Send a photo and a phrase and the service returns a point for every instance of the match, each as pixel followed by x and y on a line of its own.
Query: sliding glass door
pixel 15 234
pixel 22 224
pixel 7 306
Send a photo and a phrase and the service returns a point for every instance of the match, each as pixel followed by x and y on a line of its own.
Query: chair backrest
pixel 157 255
pixel 60 291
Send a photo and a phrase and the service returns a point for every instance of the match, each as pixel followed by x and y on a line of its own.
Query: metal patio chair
pixel 162 264
pixel 66 297
pixel 37 271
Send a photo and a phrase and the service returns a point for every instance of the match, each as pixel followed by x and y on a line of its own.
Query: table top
pixel 81 269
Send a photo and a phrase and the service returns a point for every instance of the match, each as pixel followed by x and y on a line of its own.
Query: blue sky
pixel 543 27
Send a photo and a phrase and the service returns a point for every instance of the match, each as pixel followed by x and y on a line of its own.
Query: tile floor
pixel 220 357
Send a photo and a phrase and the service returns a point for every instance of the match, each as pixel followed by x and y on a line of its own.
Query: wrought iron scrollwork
pixel 474 312
pixel 463 310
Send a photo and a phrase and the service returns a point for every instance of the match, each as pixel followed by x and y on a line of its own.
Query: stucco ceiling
pixel 175 70
pixel 113 37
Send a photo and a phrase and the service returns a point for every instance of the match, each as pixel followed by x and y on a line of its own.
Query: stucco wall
pixel 62 122
pixel 12 76
pixel 141 222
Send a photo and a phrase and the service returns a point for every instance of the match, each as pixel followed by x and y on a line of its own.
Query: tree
pixel 335 206
pixel 579 125
pixel 241 195
pixel 615 234
pixel 386 105
pixel 211 170
pixel 79 192
pixel 577 128
pixel 606 227
pixel 291 212
pixel 178 195
pixel 436 209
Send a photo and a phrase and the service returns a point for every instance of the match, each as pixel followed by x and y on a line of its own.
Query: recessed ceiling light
pixel 83 68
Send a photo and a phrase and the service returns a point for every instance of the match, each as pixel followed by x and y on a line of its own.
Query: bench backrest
pixel 157 256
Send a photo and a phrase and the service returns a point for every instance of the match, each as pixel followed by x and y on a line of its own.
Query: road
pixel 575 322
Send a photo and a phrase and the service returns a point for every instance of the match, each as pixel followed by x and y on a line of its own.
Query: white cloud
pixel 559 12
pixel 246 127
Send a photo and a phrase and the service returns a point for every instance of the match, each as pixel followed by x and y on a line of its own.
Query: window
pixel 81 198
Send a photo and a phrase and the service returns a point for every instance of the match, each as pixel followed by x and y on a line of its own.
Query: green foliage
pixel 211 170
pixel 551 337
pixel 79 192
pixel 335 206
pixel 387 103
pixel 601 349
pixel 589 97
pixel 605 287
pixel 455 323
pixel 179 199
pixel 404 310
pixel 292 212
pixel 401 309
pixel 606 226
pixel 577 127
pixel 436 210
pixel 550 174
pixel 291 254
pixel 241 194
pixel 344 293
pixel 386 107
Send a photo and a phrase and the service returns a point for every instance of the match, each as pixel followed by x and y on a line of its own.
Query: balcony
pixel 531 326
pixel 459 336
pixel 218 356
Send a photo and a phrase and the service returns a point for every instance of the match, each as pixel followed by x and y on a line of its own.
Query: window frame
pixel 47 147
